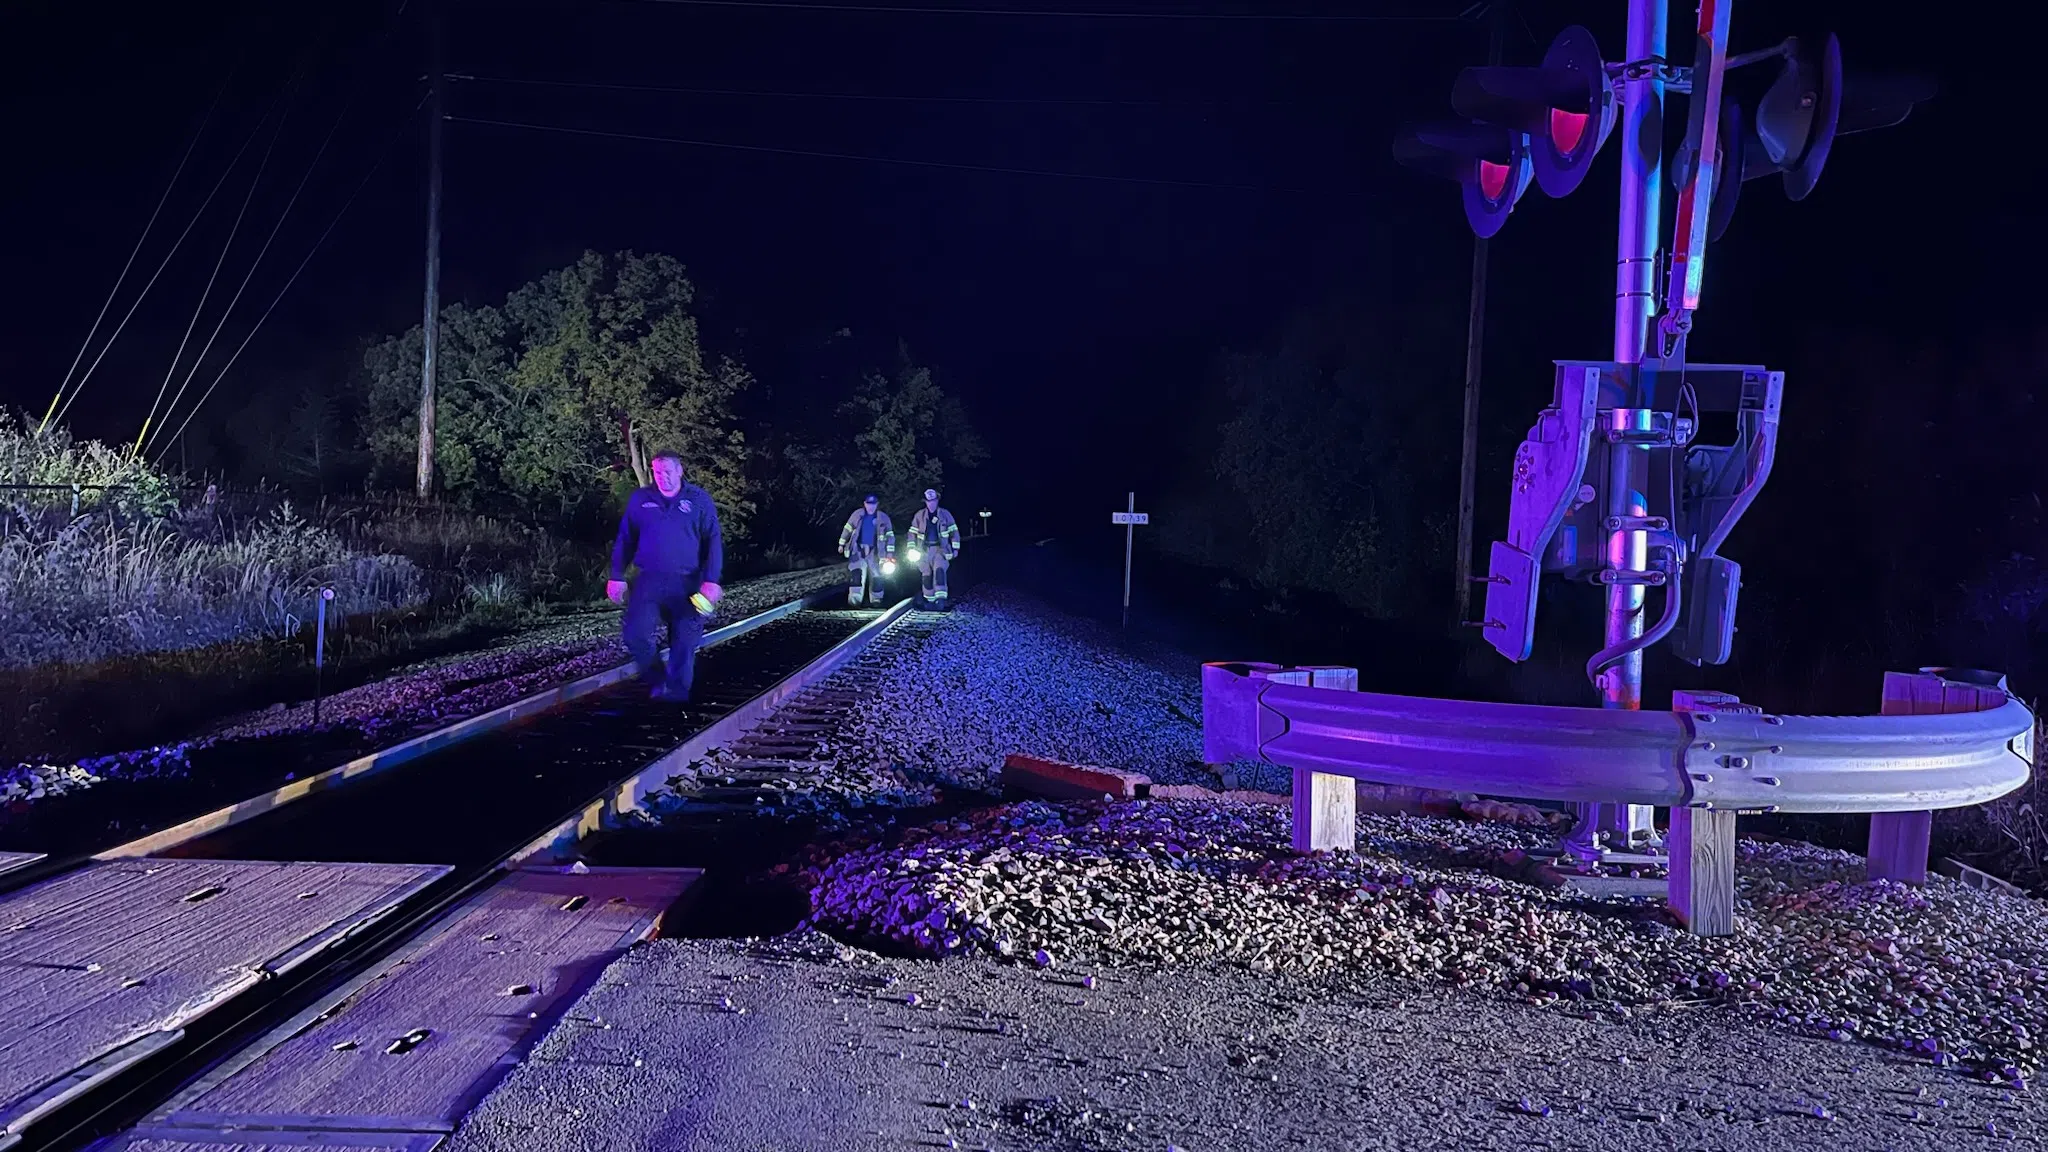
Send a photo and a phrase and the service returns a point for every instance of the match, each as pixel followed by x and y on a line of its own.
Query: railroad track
pixel 486 810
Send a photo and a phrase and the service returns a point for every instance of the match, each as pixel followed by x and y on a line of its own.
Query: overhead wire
pixel 232 164
pixel 1062 13
pixel 355 90
pixel 895 160
pixel 849 96
pixel 190 145
pixel 275 228
pixel 282 108
pixel 382 154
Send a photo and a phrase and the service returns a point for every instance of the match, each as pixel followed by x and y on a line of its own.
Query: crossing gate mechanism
pixel 1693 445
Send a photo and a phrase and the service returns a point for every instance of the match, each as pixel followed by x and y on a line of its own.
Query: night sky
pixel 1077 316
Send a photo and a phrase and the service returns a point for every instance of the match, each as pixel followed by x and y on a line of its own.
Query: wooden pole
pixel 431 321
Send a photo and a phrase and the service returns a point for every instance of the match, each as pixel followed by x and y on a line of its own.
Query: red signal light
pixel 1567 129
pixel 1493 179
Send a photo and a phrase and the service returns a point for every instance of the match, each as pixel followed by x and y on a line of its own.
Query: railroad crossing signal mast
pixel 1636 473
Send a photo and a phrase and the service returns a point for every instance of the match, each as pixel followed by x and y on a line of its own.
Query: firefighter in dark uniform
pixel 670 533
pixel 934 541
pixel 868 541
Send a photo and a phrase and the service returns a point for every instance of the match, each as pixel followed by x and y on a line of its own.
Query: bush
pixel 38 469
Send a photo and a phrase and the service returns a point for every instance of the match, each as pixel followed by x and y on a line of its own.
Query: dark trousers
pixel 653 601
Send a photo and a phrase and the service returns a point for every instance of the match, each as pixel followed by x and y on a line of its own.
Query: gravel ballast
pixel 1954 974
pixel 1842 1012
pixel 945 698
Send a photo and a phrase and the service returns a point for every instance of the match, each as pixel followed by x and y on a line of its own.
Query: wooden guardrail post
pixel 1899 841
pixel 1325 806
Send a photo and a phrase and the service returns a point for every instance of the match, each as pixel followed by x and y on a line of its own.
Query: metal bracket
pixel 1638 524
pixel 1663 432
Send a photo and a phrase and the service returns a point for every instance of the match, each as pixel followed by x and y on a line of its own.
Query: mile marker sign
pixel 1129 520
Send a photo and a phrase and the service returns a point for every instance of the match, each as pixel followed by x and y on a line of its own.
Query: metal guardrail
pixel 1749 762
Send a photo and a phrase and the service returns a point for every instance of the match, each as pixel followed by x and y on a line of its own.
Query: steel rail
pixel 630 794
pixel 409 750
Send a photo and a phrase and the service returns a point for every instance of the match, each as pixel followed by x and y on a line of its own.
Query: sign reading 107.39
pixel 1129 519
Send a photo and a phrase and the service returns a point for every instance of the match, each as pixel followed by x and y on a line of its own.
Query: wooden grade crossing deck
pixel 397 1058
pixel 104 965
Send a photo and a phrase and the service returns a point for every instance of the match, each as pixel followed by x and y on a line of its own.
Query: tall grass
pixel 130 574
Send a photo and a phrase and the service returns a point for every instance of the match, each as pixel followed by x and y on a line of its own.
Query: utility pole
pixel 1475 339
pixel 432 321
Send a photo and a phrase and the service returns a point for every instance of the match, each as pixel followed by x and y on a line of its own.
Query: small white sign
pixel 1130 517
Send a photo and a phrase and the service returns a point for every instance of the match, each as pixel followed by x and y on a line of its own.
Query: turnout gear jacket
pixel 885 533
pixel 670 536
pixel 948 532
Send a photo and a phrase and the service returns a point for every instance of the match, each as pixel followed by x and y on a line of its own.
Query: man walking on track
pixel 868 542
pixel 934 541
pixel 670 533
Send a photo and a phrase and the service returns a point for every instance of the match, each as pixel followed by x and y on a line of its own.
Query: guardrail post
pixel 1701 886
pixel 1325 806
pixel 1234 727
pixel 1899 841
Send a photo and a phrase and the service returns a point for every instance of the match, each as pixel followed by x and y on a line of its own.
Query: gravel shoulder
pixel 800 1043
pixel 1162 973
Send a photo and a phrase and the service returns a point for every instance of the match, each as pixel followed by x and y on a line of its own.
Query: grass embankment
pixel 157 605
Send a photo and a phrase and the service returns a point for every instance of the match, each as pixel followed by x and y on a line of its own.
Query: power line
pixel 137 250
pixel 227 246
pixel 897 160
pixel 851 96
pixel 382 153
pixel 1058 13
pixel 221 325
pixel 355 90
pixel 204 204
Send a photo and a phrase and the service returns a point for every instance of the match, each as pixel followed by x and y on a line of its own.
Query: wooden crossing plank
pixel 414 1045
pixel 103 965
pixel 9 861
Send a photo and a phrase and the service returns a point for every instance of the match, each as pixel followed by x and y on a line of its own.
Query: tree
pixel 554 401
pixel 1323 457
pixel 909 431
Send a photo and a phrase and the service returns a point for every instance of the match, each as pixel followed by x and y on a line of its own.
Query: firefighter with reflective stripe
pixel 934 541
pixel 868 541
